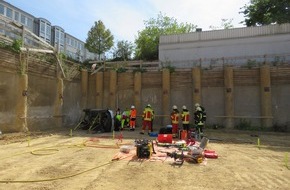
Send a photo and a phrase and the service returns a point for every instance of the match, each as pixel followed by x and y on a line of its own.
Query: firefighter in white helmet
pixel 199 120
pixel 174 116
pixel 148 115
pixel 133 116
pixel 185 118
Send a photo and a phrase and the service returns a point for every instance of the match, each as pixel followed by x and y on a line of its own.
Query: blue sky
pixel 125 18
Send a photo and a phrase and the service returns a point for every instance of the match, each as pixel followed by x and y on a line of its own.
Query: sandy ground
pixel 66 161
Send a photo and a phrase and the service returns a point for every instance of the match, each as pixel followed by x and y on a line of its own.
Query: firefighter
pixel 117 120
pixel 133 115
pixel 185 118
pixel 174 116
pixel 125 118
pixel 148 115
pixel 152 118
pixel 202 109
pixel 199 119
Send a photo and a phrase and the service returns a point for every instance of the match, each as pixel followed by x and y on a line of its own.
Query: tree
pixel 265 12
pixel 147 41
pixel 225 24
pixel 123 51
pixel 100 40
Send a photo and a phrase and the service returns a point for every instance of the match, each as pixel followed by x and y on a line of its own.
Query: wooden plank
pixel 246 117
pixel 36 50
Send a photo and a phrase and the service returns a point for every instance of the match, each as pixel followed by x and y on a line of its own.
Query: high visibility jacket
pixel 185 117
pixel 126 114
pixel 174 117
pixel 133 113
pixel 148 114
pixel 198 117
pixel 119 117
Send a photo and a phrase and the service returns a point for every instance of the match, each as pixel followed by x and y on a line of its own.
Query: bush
pixel 121 70
pixel 15 46
pixel 280 128
pixel 244 125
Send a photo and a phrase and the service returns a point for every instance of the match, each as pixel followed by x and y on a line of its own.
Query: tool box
pixel 164 138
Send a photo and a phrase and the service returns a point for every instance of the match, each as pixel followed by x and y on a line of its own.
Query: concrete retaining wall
pixel 35 101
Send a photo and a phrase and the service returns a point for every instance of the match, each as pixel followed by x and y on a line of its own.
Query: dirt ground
pixel 65 160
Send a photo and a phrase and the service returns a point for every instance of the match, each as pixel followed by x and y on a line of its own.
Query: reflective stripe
pixel 174 118
pixel 185 117
pixel 200 123
pixel 147 115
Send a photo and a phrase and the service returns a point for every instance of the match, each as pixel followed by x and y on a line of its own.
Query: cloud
pixel 125 18
pixel 202 13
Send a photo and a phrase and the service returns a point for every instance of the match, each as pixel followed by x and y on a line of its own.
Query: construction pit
pixel 75 159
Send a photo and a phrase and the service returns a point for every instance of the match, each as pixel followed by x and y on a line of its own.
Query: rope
pixel 62 177
pixel 50 150
pixel 44 151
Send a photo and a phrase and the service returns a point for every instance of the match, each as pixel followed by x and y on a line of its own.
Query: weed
pixel 121 70
pixel 280 127
pixel 244 125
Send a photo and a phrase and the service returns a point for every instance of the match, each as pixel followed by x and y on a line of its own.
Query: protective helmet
pixel 174 107
pixel 132 107
pixel 197 105
pixel 149 105
pixel 184 107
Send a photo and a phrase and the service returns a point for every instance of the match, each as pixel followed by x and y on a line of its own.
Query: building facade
pixel 43 28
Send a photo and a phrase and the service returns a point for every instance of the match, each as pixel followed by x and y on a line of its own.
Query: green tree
pixel 265 12
pixel 123 51
pixel 225 24
pixel 147 41
pixel 100 40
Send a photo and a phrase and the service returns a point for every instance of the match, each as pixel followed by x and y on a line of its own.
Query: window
pixel 23 19
pixel 16 16
pixel 42 27
pixel 30 23
pixel 62 38
pixel 48 31
pixel 70 42
pixel 81 46
pixel 56 35
pixel 9 12
pixel 1 9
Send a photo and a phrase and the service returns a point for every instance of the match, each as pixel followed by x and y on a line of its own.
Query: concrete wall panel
pixel 247 103
pixel 72 103
pixel 40 103
pixel 281 104
pixel 8 82
pixel 213 102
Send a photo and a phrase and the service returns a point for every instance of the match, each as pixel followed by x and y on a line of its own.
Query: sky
pixel 124 18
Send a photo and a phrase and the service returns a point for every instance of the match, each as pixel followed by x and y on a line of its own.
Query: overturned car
pixel 96 120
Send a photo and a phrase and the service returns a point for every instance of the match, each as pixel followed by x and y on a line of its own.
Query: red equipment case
pixel 164 138
pixel 210 154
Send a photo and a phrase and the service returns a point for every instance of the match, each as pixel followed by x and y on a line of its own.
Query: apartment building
pixel 43 28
